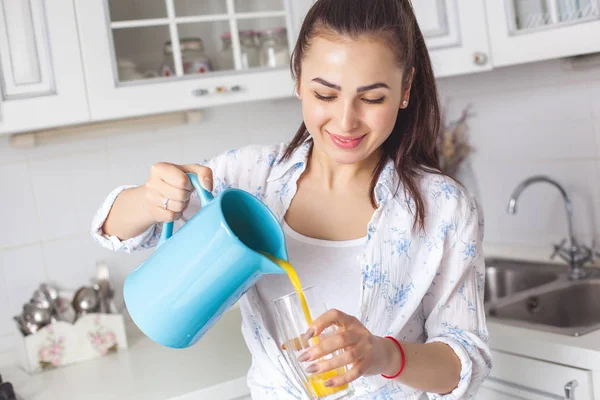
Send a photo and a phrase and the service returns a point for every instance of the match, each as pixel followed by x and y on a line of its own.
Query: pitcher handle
pixel 205 198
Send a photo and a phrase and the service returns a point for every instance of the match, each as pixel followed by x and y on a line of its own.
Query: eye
pixel 374 101
pixel 324 98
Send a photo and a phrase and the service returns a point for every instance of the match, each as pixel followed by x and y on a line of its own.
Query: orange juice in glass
pixel 294 313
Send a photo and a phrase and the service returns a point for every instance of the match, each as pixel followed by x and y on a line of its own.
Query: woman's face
pixel 351 93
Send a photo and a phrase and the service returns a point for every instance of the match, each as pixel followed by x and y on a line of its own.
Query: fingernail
pixel 328 384
pixel 304 357
pixel 207 183
pixel 312 369
pixel 310 333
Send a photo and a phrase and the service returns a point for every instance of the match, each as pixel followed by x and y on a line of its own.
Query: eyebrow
pixel 358 90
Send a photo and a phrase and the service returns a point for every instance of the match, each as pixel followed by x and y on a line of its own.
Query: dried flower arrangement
pixel 453 142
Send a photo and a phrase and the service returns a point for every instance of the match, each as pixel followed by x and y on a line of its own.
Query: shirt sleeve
pixel 151 236
pixel 454 304
pixel 244 168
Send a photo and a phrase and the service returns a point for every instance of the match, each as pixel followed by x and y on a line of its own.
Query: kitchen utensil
pixel 291 326
pixel 199 272
pixel 85 301
pixel 103 287
pixel 51 292
pixel 37 315
pixel 26 328
pixel 7 391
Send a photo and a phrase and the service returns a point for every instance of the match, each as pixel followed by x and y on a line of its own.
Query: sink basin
pixel 504 278
pixel 573 308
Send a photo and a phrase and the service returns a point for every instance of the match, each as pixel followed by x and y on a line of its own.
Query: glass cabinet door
pixel 147 57
pixel 171 39
pixel 534 30
pixel 528 15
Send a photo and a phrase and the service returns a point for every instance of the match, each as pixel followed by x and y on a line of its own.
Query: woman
pixel 394 245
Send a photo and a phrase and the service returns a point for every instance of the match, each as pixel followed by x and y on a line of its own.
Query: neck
pixel 332 175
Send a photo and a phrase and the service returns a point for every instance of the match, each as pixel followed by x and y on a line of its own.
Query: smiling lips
pixel 344 142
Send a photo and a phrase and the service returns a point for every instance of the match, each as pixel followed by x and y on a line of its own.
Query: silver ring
pixel 165 202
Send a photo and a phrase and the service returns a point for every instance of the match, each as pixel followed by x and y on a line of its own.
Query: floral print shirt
pixel 419 286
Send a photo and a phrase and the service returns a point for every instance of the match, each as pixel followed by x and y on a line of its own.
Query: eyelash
pixel 331 98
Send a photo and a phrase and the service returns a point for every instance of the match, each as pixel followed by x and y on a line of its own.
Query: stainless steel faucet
pixel 574 254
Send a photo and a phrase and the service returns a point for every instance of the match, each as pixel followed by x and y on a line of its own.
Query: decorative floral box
pixel 62 343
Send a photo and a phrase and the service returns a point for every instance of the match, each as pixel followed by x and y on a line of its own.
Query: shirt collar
pixel 385 188
pixel 296 160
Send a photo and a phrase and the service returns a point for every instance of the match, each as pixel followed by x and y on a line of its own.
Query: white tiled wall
pixel 529 119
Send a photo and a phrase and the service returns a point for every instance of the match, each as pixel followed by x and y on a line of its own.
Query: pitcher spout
pixel 268 265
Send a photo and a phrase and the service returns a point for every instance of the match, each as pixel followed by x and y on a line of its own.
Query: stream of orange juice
pixel 316 381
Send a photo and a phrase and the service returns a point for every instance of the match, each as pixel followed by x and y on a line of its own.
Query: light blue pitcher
pixel 199 272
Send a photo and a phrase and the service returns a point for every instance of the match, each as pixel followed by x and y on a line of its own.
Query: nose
pixel 349 118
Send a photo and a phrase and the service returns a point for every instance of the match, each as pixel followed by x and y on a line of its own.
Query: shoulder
pixel 247 167
pixel 249 155
pixel 446 199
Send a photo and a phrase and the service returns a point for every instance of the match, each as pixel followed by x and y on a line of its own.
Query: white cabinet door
pixel 214 57
pixel 456 35
pixel 533 30
pixel 530 379
pixel 41 74
pixel 486 393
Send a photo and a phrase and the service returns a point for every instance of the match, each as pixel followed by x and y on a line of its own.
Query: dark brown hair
pixel 413 141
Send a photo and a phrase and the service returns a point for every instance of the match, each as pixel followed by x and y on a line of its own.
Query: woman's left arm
pixel 455 359
pixel 454 308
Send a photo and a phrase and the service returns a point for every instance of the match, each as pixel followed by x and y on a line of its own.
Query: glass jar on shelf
pixel 274 49
pixel 249 50
pixel 193 58
pixel 225 59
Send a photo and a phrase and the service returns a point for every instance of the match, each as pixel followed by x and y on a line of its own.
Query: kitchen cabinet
pixel 518 377
pixel 534 30
pixel 154 56
pixel 41 74
pixel 455 34
pixel 74 61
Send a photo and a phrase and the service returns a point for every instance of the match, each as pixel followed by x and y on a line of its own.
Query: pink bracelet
pixel 403 364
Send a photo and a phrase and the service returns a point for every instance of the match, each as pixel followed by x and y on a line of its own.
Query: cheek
pixel 314 113
pixel 382 121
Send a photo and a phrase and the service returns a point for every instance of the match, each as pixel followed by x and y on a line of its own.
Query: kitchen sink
pixel 504 278
pixel 541 296
pixel 572 307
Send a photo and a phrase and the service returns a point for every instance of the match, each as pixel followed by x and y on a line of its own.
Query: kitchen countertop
pixel 214 368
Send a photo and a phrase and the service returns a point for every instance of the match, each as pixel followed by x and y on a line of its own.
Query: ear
pixel 406 90
pixel 297 91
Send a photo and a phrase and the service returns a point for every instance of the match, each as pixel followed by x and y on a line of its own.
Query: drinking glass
pixel 292 325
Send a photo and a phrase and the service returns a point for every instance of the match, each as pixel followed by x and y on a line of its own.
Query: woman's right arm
pixel 128 217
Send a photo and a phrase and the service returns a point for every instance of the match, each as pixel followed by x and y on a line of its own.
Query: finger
pixel 329 344
pixel 205 175
pixel 296 344
pixel 344 379
pixel 327 319
pixel 166 215
pixel 171 174
pixel 345 358
pixel 171 192
pixel 157 199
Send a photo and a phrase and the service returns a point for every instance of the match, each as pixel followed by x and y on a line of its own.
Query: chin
pixel 346 156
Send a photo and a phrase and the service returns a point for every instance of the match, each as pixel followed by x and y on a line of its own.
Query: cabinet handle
pixel 217 90
pixel 570 390
pixel 480 58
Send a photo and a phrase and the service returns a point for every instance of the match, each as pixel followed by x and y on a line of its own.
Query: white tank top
pixel 333 266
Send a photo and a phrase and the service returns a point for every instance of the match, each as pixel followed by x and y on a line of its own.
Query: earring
pixel 297 95
pixel 405 103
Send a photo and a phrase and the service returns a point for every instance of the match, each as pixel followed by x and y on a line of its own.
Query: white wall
pixel 529 119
